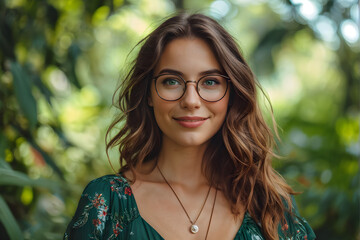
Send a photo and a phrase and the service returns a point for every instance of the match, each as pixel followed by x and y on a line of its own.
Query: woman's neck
pixel 182 165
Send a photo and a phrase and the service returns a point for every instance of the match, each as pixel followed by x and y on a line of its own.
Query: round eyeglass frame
pixel 197 86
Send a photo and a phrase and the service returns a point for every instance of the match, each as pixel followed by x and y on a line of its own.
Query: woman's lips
pixel 190 122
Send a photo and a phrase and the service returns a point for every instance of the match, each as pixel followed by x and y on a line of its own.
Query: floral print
pixel 99 203
pixel 107 210
pixel 128 191
pixel 301 228
pixel 93 219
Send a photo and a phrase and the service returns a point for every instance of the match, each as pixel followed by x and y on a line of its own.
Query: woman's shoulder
pixel 249 229
pixel 108 186
pixel 107 181
pixel 105 208
pixel 114 190
pixel 295 224
pixel 295 227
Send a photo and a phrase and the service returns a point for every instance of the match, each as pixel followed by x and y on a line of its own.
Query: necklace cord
pixel 212 211
pixel 202 207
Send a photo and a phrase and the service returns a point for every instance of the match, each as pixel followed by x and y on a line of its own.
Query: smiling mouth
pixel 190 122
pixel 190 119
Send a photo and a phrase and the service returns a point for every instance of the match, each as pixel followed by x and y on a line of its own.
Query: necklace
pixel 193 228
pixel 212 211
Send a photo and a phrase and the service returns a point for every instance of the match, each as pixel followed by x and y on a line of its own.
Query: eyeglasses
pixel 172 87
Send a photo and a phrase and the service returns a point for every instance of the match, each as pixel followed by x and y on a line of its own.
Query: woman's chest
pixel 172 216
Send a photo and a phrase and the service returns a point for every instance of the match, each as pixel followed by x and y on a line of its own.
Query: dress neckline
pixel 246 215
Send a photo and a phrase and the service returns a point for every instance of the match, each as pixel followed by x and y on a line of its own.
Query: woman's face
pixel 189 121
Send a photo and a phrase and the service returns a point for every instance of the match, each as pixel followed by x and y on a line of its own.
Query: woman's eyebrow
pixel 207 72
pixel 171 71
pixel 212 71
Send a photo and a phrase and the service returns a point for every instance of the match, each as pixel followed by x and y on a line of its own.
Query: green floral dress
pixel 107 210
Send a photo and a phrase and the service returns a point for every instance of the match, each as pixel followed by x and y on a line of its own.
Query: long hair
pixel 238 158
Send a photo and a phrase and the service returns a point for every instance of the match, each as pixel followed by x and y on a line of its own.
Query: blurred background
pixel 60 62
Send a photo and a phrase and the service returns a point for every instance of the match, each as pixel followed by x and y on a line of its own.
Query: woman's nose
pixel 191 98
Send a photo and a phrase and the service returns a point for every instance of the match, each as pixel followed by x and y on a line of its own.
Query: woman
pixel 194 149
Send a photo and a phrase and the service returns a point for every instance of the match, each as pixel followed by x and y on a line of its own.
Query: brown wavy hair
pixel 238 157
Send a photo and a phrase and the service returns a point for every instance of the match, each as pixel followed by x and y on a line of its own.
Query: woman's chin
pixel 186 141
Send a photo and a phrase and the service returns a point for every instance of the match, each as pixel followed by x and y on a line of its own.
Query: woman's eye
pixel 211 82
pixel 171 82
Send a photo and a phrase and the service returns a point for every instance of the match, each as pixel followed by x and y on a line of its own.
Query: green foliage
pixel 59 61
pixel 320 120
pixel 24 97
pixel 11 177
pixel 9 222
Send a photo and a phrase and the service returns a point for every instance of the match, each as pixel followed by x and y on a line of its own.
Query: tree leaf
pixel 49 160
pixel 3 164
pixel 22 88
pixel 15 178
pixel 263 52
pixel 43 88
pixel 74 52
pixel 9 222
pixel 27 135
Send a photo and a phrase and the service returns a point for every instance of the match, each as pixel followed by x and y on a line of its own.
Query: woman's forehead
pixel 188 56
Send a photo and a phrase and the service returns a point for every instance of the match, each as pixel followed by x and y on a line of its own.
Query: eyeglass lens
pixel 172 87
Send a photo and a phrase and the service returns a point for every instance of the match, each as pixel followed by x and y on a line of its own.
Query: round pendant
pixel 194 228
